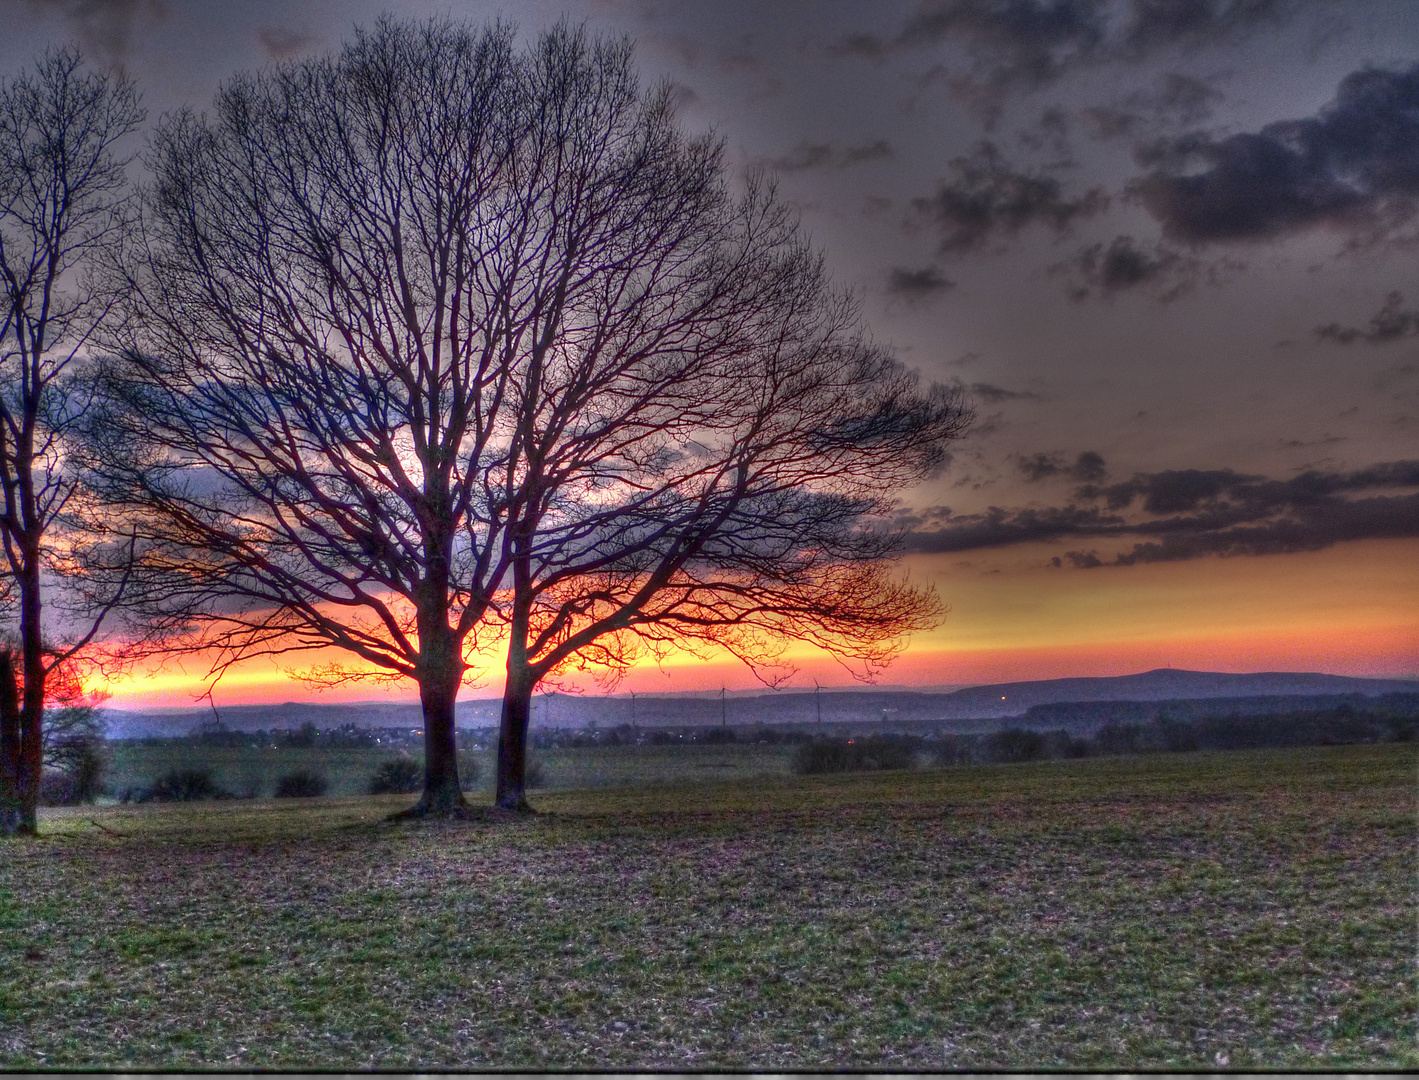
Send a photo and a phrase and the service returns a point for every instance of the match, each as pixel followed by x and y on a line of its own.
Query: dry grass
pixel 1249 910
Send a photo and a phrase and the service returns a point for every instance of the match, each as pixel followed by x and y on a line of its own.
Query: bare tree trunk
pixel 512 739
pixel 32 700
pixel 11 818
pixel 443 796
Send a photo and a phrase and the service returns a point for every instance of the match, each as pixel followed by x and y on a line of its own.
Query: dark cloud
pixel 1030 43
pixel 1171 492
pixel 915 286
pixel 1087 468
pixel 1390 323
pixel 683 95
pixel 985 198
pixel 103 27
pixel 831 156
pixel 1189 513
pixel 1175 100
pixel 1050 132
pixel 1354 167
pixel 1121 265
pixel 282 42
pixel 1157 24
pixel 1000 528
pixel 992 394
pixel 865 46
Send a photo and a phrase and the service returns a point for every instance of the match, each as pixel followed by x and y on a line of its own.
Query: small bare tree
pixel 711 488
pixel 63 202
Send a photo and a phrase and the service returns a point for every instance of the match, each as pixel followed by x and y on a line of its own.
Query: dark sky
pixel 1169 246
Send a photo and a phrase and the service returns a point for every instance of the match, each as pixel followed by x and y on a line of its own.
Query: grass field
pixel 246 770
pixel 1187 911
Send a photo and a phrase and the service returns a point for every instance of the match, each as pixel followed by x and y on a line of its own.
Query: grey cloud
pixel 1122 265
pixel 683 95
pixel 985 198
pixel 1175 100
pixel 1154 24
pixel 1390 323
pixel 1354 166
pixel 831 156
pixel 864 46
pixel 1029 41
pixel 1033 42
pixel 103 27
pixel 1000 528
pixel 915 286
pixel 1192 513
pixel 1087 468
pixel 282 42
pixel 992 394
pixel 1307 528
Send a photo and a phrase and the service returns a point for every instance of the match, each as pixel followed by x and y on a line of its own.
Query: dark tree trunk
pixel 443 795
pixel 11 817
pixel 512 740
pixel 22 710
pixel 32 699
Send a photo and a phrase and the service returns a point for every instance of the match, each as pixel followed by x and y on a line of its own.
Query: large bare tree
pixel 63 202
pixel 420 327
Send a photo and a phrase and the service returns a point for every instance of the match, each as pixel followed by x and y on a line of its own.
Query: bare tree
pixel 63 201
pixel 716 491
pixel 422 326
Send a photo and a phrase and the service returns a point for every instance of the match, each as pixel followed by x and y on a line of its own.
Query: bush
pixel 1174 736
pixel 952 750
pixel 77 776
pixel 850 755
pixel 470 770
pixel 887 751
pixel 533 775
pixel 1015 745
pixel 823 756
pixel 1118 738
pixel 301 784
pixel 1062 744
pixel 183 785
pixel 57 789
pixel 398 776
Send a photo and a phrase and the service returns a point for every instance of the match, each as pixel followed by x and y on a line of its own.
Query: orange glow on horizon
pixel 1350 610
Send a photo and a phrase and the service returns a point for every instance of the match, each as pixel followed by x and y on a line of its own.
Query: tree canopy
pixel 435 344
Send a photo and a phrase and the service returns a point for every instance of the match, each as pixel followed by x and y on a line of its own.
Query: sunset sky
pixel 1170 249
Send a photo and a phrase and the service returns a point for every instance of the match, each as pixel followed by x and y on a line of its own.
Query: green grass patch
pixel 1188 911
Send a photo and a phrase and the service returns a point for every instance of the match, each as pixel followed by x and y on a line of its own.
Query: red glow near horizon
pixel 1349 610
pixel 1387 652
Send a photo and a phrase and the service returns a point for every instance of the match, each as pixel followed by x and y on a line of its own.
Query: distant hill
pixel 982 703
pixel 1168 684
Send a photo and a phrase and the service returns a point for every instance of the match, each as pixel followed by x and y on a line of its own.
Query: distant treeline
pixel 1091 715
pixel 1342 725
pixel 308 736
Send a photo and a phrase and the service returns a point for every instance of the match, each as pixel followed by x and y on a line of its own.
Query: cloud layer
pixel 1353 167
pixel 1030 43
pixel 1188 513
pixel 986 199
pixel 1390 323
